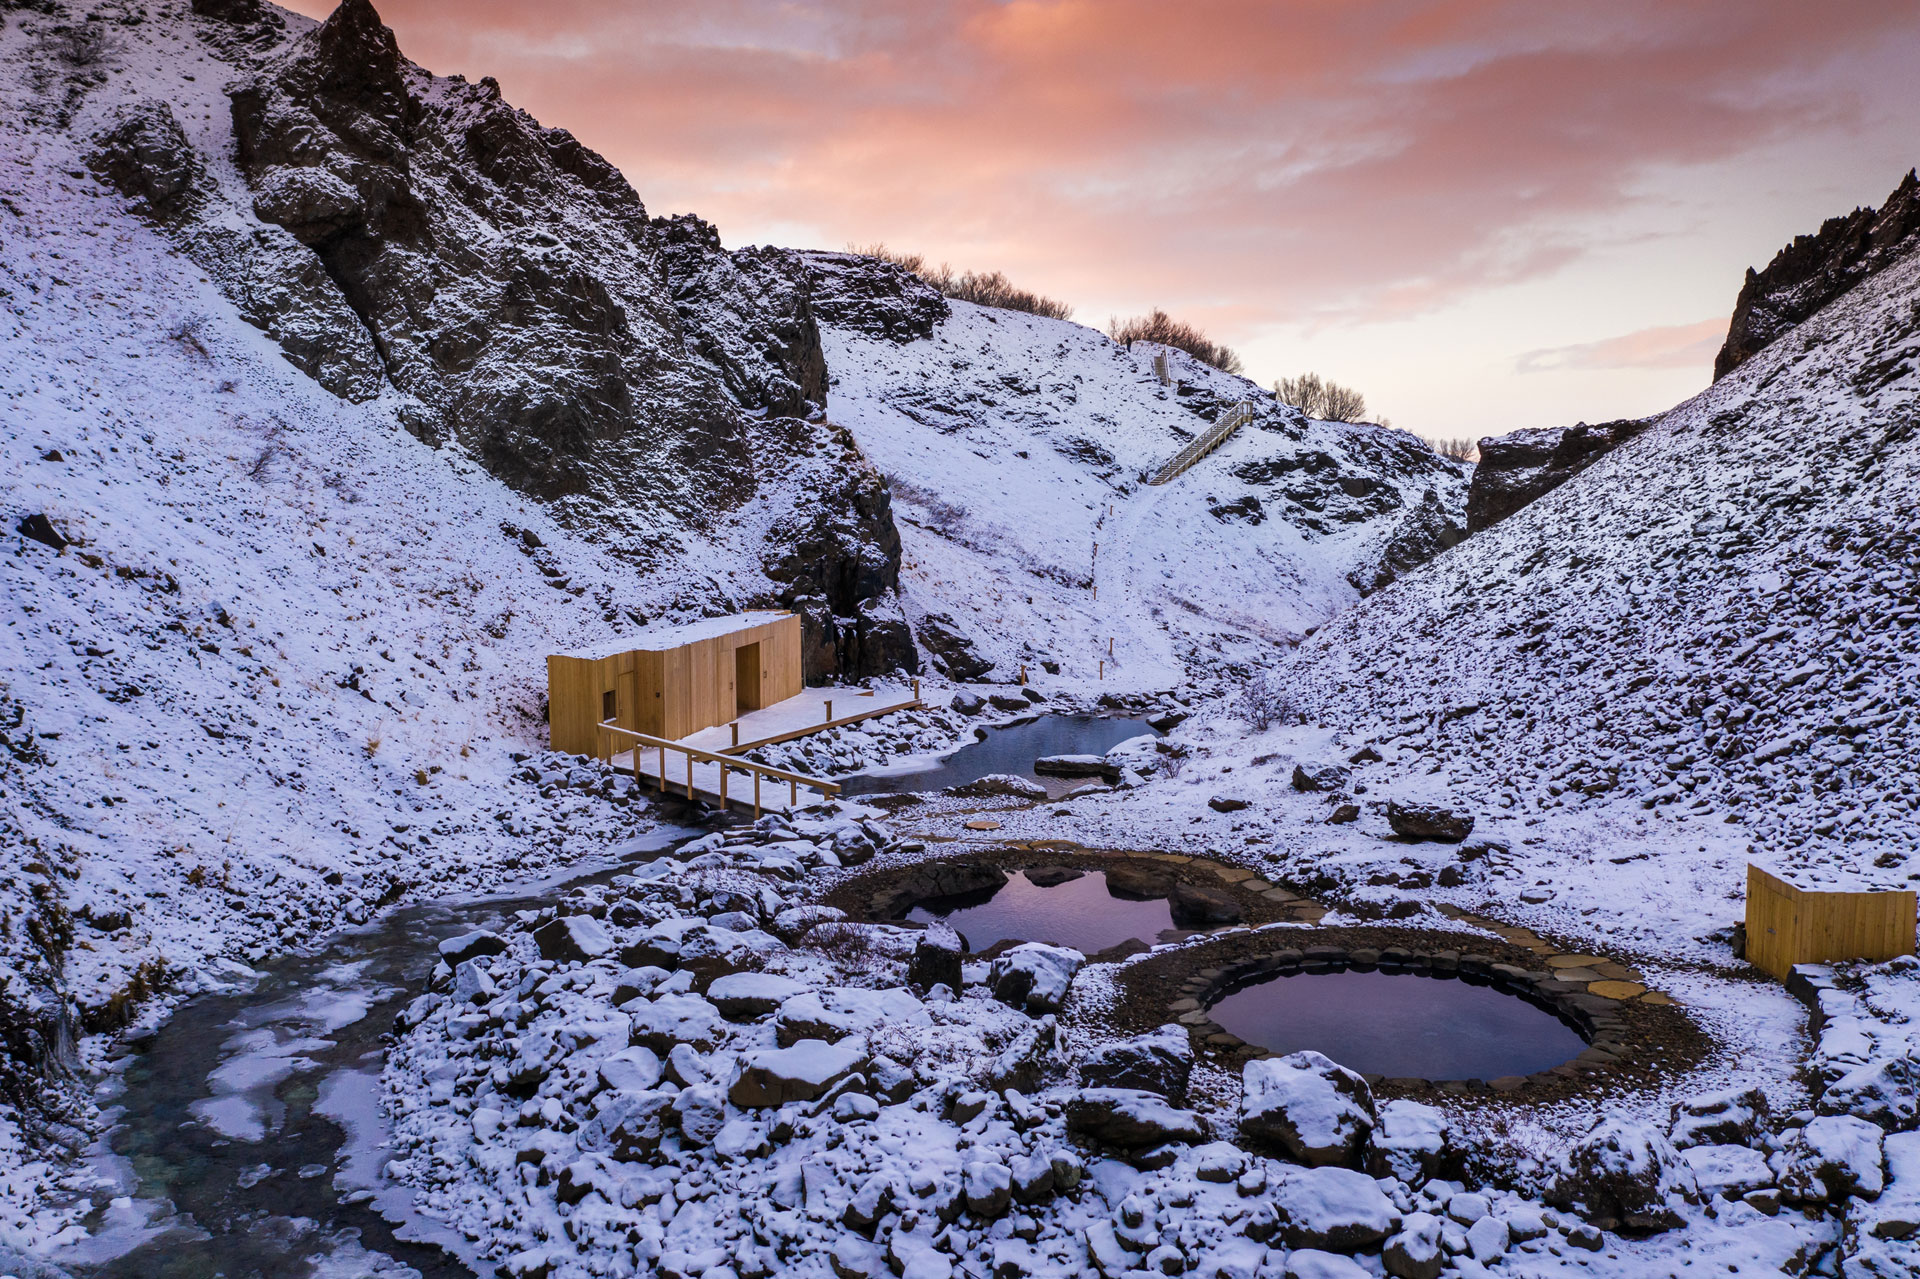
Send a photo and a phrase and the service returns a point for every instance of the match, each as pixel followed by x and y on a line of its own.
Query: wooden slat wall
pixel 680 690
pixel 1788 926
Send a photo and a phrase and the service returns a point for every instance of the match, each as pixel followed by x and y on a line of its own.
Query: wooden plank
pixel 822 727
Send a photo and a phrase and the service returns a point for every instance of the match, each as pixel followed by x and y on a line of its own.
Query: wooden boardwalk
pixel 1209 440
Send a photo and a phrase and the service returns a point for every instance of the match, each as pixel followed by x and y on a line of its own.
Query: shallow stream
pixel 249 1139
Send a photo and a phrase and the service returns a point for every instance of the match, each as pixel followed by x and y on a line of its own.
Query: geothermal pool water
pixel 1010 748
pixel 1401 1025
pixel 1082 913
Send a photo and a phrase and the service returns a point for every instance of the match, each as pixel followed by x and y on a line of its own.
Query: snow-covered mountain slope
pixel 415 237
pixel 1015 445
pixel 1720 620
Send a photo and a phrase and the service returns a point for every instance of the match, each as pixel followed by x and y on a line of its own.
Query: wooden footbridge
pixel 1209 440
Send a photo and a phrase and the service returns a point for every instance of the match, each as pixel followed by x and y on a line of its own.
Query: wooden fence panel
pixel 1788 925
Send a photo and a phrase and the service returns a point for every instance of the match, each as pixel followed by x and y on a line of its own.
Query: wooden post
pixel 793 793
pixel 916 688
pixel 1103 668
pixel 723 785
pixel 1109 646
pixel 689 774
pixel 663 772
pixel 829 718
pixel 756 797
pixel 736 732
pixel 1023 674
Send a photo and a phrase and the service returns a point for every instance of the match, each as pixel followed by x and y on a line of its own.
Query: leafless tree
pixel 1158 326
pixel 982 288
pixel 1321 399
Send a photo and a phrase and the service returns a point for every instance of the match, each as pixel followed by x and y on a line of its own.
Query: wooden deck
pixel 815 710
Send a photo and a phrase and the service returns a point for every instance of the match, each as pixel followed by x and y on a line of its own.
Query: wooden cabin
pixel 669 681
pixel 1788 925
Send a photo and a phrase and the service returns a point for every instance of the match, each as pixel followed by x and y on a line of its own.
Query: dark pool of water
pixel 1081 913
pixel 1010 748
pixel 1401 1024
pixel 249 1140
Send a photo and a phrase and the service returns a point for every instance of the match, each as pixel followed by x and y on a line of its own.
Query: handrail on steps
pixel 1212 438
pixel 794 781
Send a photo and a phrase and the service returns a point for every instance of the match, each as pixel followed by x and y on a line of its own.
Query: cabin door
pixel 746 678
pixel 629 702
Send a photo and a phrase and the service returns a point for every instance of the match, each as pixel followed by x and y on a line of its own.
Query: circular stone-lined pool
pixel 1400 1025
pixel 1057 906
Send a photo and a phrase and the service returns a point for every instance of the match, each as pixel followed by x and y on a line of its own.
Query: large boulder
pixel 1160 1062
pixel 1429 821
pixel 1333 1209
pixel 1623 1175
pixel 937 958
pixel 573 939
pixel 839 1011
pixel 740 995
pixel 1077 766
pixel 1321 777
pixel 1409 1142
pixel 1833 1159
pixel 1203 906
pixel 952 653
pixel 1884 1091
pixel 1034 977
pixel 1727 1171
pixel 1728 1116
pixel 799 1072
pixel 1314 1110
pixel 661 1024
pixel 1415 1251
pixel 1131 1119
pixel 873 296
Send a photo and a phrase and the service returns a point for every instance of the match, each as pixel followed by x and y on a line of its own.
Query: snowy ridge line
pixel 1216 435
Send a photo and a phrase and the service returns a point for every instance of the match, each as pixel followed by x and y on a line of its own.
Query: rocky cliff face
pixel 1521 467
pixel 1815 269
pixel 393 230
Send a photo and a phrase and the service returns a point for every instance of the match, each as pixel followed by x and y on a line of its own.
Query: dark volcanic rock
pixel 145 155
pixel 1429 821
pixel 868 295
pixel 1815 269
pixel 1158 1063
pixel 951 651
pixel 1520 468
pixel 1422 533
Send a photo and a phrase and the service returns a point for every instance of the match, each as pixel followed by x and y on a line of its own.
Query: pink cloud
pixel 1666 346
pixel 1352 160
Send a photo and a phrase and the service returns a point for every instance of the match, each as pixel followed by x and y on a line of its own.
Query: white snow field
pixel 1015 445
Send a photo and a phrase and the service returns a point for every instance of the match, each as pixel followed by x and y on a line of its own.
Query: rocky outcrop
pixel 874 297
pixel 1815 269
pixel 1520 468
pixel 1422 533
pixel 401 230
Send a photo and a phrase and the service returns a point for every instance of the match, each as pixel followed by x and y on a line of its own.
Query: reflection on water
pixel 1082 913
pixel 1403 1025
pixel 1011 748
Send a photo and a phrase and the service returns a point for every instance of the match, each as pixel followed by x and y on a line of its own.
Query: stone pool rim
pixel 1596 1018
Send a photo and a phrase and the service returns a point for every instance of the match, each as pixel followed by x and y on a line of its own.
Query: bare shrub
pixel 941 516
pixel 187 332
pixel 982 288
pixel 848 945
pixel 1158 326
pixel 1464 450
pixel 80 45
pixel 1264 703
pixel 1322 400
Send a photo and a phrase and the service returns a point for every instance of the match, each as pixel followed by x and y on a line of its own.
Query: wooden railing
pixel 612 732
pixel 1212 438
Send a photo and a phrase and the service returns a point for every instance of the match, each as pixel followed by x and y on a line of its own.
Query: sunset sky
pixel 1484 214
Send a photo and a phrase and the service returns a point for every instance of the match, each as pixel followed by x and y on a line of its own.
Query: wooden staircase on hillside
pixel 1209 440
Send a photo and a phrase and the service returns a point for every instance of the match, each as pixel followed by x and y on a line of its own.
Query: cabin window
pixel 608 706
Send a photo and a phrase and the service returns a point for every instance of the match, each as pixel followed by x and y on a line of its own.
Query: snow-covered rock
pixel 1160 1062
pixel 1034 976
pixel 1336 1209
pixel 839 1011
pixel 1131 1119
pixel 1624 1175
pixel 798 1072
pixel 1832 1159
pixel 1309 1106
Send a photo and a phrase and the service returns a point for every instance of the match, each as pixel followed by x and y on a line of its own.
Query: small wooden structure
pixel 670 681
pixel 1787 925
